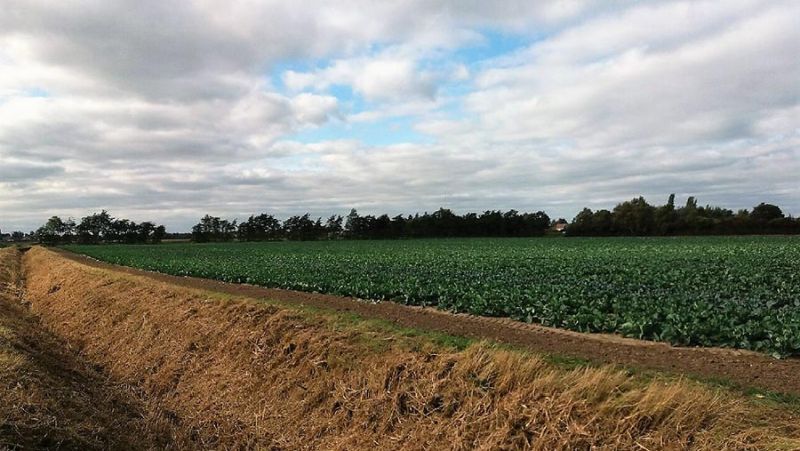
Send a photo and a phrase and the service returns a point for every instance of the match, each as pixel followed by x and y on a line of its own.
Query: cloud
pixel 24 173
pixel 314 109
pixel 385 77
pixel 168 110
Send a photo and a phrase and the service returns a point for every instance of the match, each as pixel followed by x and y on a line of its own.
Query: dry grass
pixel 237 373
pixel 50 399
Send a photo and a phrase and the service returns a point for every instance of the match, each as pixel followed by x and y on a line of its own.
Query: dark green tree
pixel 334 228
pixel 766 212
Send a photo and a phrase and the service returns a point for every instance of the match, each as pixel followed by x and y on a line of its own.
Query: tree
pixel 213 228
pixel 603 223
pixel 589 223
pixel 56 231
pixel 398 227
pixel 333 227
pixel 634 217
pixel 492 223
pixel 302 228
pixel 766 212
pixel 637 217
pixel 534 224
pixel 582 223
pixel 145 232
pixel 354 225
pixel 123 231
pixel 158 234
pixel 666 217
pixel 94 228
pixel 260 228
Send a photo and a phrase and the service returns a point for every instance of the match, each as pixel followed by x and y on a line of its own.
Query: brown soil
pixel 52 399
pixel 744 368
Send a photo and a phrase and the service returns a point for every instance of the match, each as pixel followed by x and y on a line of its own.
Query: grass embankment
pixel 231 372
pixel 50 398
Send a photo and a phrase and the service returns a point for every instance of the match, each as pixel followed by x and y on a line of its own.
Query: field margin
pixel 744 369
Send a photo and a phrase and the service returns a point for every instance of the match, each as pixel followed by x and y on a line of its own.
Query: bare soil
pixel 743 368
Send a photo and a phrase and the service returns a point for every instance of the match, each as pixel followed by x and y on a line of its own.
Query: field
pixel 98 363
pixel 741 292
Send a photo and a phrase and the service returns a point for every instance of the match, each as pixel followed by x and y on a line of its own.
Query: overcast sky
pixel 166 110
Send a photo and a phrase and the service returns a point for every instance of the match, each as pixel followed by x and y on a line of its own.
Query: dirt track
pixel 744 368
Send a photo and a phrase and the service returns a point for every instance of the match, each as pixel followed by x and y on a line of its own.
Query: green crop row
pixel 741 292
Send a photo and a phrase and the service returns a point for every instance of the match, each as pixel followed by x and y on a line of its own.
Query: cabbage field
pixel 741 292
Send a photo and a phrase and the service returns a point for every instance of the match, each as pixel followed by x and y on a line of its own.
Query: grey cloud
pixel 163 110
pixel 698 92
pixel 22 172
pixel 185 51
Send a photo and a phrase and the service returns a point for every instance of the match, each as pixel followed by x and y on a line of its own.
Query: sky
pixel 166 111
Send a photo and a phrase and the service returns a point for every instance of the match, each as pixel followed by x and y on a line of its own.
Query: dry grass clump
pixel 237 373
pixel 48 398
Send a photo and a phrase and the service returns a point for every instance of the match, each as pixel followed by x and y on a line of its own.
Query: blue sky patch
pixel 382 132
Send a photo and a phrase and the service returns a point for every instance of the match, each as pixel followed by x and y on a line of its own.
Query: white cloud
pixel 165 110
pixel 314 109
pixel 711 86
pixel 384 77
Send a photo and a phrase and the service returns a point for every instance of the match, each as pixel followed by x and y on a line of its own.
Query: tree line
pixel 98 228
pixel 439 224
pixel 636 217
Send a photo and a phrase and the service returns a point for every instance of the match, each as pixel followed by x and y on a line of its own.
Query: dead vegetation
pixel 238 373
pixel 48 397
